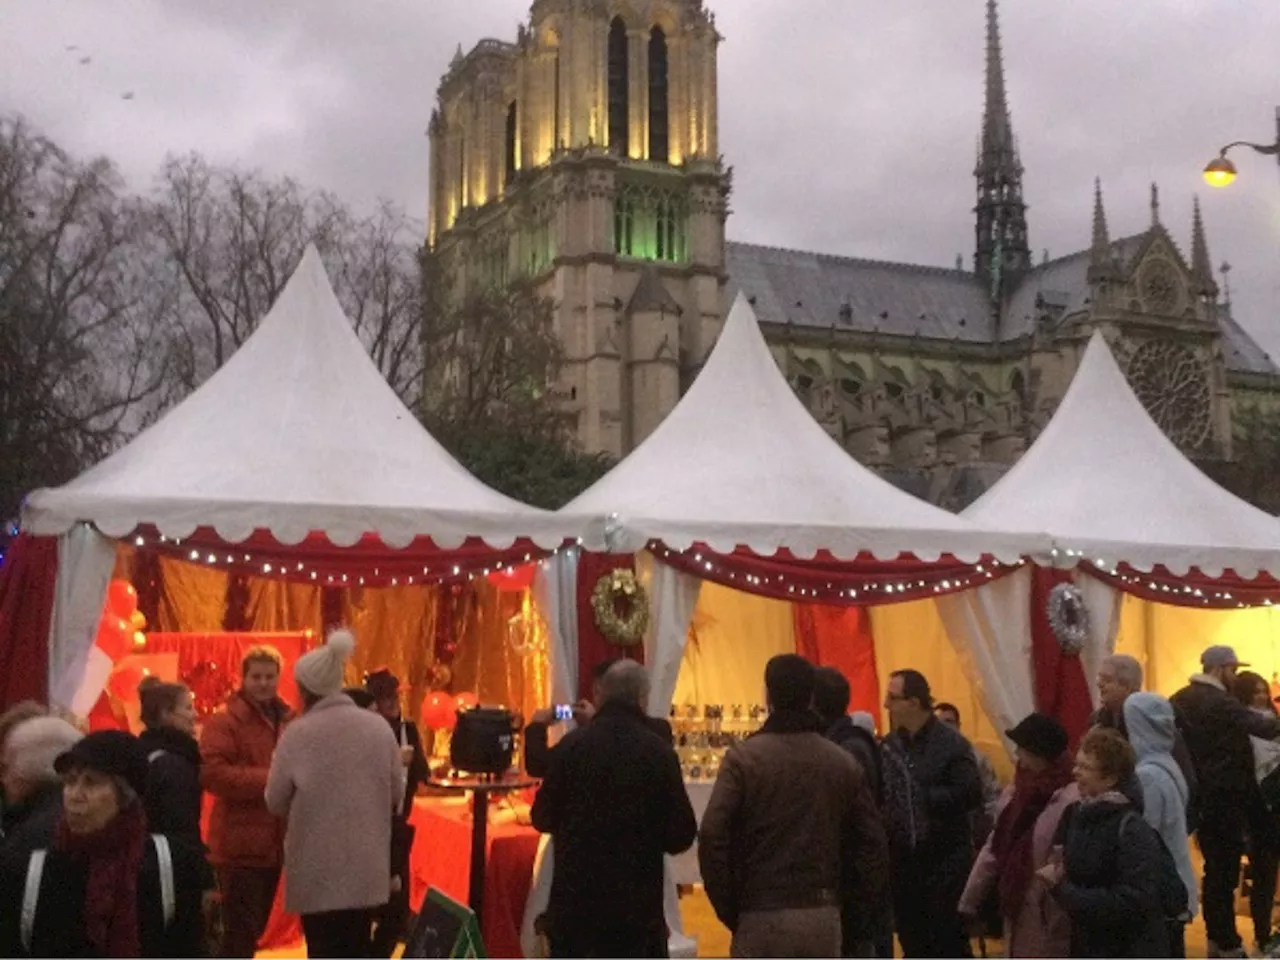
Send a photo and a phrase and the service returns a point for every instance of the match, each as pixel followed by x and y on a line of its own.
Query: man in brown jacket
pixel 246 841
pixel 791 834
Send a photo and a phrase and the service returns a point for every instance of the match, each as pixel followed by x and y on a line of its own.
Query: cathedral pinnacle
pixel 1101 246
pixel 1155 205
pixel 1201 265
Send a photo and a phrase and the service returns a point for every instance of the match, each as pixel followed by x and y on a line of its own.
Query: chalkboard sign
pixel 445 928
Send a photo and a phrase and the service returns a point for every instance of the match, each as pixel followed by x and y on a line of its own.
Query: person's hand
pixel 584 712
pixel 546 716
pixel 396 884
pixel 406 755
pixel 1051 873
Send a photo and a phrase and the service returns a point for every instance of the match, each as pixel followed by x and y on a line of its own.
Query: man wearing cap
pixel 384 686
pixel 1217 728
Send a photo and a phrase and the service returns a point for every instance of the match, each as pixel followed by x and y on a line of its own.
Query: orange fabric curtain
pixel 841 637
pixel 501 656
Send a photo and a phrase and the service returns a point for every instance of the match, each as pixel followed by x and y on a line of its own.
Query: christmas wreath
pixel 621 608
pixel 1068 617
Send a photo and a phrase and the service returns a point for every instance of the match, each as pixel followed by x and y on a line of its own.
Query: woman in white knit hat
pixel 336 777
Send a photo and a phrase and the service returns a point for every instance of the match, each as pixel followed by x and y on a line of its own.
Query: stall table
pixel 441 858
pixel 684 866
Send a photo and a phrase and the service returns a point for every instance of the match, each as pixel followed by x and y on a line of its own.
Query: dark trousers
pixel 337 933
pixel 1221 838
pixel 248 893
pixel 1264 862
pixel 609 942
pixel 391 920
pixel 927 922
pixel 1177 940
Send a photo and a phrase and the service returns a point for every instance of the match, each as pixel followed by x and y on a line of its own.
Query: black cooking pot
pixel 483 740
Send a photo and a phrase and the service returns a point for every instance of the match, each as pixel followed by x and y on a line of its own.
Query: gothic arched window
pixel 619 81
pixel 659 135
pixel 511 142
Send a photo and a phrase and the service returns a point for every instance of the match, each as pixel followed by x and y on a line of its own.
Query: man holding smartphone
pixel 537 751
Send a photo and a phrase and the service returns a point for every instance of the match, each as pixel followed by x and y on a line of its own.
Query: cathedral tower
pixel 584 158
pixel 1003 253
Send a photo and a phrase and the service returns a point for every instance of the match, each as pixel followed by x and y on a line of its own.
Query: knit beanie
pixel 321 672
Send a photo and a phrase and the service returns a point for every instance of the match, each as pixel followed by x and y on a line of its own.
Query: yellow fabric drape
pixel 395 628
pixel 1168 640
pixel 193 597
pixel 487 663
pixel 911 635
pixel 732 638
pixel 277 606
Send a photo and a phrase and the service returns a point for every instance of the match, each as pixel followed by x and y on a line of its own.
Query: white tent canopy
pixel 297 433
pixel 1106 483
pixel 741 462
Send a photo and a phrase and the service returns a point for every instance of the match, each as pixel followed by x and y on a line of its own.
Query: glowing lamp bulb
pixel 1220 172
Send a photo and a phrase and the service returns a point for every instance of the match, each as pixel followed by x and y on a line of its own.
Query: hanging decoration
pixel 621 608
pixel 209 686
pixel 1068 618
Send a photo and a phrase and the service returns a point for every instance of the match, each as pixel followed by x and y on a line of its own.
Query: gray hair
pixel 35 744
pixel 625 682
pixel 1128 670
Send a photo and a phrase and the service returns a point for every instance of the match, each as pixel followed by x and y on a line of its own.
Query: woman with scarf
pixel 1022 842
pixel 103 888
pixel 173 796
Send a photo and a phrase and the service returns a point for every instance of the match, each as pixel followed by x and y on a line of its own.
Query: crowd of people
pixel 819 838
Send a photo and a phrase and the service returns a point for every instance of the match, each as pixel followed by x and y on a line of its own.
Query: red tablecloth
pixel 441 858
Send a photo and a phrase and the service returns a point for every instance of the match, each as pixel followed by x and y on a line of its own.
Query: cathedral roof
pixel 819 290
pixel 1240 351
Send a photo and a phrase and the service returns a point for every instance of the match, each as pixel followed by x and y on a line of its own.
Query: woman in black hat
pixel 104 888
pixel 1022 842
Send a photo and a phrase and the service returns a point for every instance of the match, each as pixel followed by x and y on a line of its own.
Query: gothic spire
pixel 1101 247
pixel 1201 265
pixel 1155 204
pixel 1003 251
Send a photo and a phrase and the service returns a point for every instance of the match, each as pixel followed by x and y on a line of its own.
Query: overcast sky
pixel 851 124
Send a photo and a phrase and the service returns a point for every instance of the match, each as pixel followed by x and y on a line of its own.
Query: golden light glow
pixel 1220 172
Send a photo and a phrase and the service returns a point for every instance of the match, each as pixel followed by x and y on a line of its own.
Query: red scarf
pixel 112 856
pixel 1011 841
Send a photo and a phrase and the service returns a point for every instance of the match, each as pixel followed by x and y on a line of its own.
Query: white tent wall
pixel 555 591
pixel 78 670
pixel 672 598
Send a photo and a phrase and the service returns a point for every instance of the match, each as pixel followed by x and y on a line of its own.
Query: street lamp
pixel 1221 172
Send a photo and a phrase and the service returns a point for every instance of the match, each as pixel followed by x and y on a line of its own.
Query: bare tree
pixel 79 316
pixel 233 238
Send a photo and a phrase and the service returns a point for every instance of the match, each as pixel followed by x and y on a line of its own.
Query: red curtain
pixel 27 579
pixel 1061 688
pixel 862 581
pixel 841 637
pixel 593 648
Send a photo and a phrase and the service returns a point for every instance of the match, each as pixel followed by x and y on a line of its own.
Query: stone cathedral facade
pixel 584 157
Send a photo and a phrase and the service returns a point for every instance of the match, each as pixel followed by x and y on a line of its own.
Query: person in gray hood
pixel 1149 720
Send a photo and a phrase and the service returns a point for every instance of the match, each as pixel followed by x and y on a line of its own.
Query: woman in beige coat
pixel 336 777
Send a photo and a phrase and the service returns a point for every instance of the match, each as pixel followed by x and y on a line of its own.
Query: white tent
pixel 298 433
pixel 1106 483
pixel 741 462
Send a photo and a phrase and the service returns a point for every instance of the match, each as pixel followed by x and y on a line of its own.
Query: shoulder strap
pixel 154 755
pixel 164 858
pixel 31 896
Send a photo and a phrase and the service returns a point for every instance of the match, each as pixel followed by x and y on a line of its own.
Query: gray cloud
pixel 851 125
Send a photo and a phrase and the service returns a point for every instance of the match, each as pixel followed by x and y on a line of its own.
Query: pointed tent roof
pixel 1104 481
pixel 741 462
pixel 297 433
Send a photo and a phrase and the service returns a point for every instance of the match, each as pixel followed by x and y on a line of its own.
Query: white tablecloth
pixel 684 867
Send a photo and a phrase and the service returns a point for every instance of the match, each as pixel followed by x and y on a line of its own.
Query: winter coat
pixel 1041 928
pixel 337 779
pixel 235 750
pixel 862 746
pixel 1150 720
pixel 31 824
pixel 791 824
pixel 1217 727
pixel 173 796
pixel 59 929
pixel 614 802
pixel 1111 881
pixel 931 776
pixel 537 751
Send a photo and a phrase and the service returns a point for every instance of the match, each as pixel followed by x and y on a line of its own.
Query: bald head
pixel 625 682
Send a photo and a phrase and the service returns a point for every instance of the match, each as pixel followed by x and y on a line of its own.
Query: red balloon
pixel 122 599
pixel 514 579
pixel 124 681
pixel 438 712
pixel 466 701
pixel 115 637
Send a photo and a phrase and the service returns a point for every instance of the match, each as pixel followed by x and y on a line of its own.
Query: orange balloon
pixel 115 638
pixel 466 701
pixel 124 681
pixel 138 620
pixel 122 599
pixel 437 711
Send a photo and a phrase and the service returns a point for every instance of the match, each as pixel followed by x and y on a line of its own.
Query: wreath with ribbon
pixel 1068 617
pixel 620 607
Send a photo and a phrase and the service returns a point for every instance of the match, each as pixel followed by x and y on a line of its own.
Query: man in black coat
pixel 1217 728
pixel 615 802
pixel 32 788
pixel 392 919
pixel 537 752
pixel 932 788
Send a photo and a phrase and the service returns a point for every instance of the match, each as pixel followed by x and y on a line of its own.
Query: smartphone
pixel 564 711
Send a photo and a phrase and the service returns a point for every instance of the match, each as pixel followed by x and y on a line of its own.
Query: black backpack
pixel 1169 885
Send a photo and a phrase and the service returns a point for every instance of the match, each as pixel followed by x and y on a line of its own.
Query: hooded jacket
pixel 1149 719
pixel 1217 727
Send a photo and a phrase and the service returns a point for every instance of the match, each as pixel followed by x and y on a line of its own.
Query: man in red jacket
pixel 245 839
